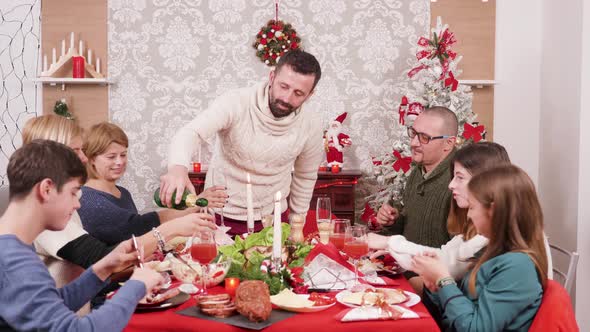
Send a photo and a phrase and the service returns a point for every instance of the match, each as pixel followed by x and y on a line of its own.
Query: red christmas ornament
pixel 402 110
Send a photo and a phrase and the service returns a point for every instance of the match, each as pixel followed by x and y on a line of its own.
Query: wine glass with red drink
pixel 338 232
pixel 204 250
pixel 356 245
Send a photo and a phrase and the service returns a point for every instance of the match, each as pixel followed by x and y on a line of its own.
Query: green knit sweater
pixel 426 206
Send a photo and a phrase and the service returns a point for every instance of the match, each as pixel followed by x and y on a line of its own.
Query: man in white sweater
pixel 263 131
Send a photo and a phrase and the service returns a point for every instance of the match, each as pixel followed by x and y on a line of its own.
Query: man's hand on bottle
pixel 175 180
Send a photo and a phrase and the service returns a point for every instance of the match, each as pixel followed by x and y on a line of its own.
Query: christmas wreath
pixel 274 40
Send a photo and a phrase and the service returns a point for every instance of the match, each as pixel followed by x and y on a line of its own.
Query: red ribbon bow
pixel 451 81
pixel 403 163
pixel 476 133
pixel 376 162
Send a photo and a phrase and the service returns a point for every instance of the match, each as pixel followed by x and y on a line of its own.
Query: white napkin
pixel 373 313
pixel 324 272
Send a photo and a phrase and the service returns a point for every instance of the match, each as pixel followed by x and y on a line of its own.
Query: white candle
pixel 81 49
pixel 53 56
pixel 45 62
pixel 98 65
pixel 249 206
pixel 199 153
pixel 276 238
pixel 72 41
pixel 63 47
pixel 89 57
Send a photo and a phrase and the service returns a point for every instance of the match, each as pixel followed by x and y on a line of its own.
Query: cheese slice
pixel 286 298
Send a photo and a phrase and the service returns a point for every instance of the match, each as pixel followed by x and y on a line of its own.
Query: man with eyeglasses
pixel 426 197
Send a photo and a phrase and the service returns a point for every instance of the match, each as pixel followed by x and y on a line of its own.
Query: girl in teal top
pixel 503 289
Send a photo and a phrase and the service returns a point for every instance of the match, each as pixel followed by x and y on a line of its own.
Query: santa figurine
pixel 335 141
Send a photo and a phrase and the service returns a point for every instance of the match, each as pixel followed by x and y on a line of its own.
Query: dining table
pixel 169 320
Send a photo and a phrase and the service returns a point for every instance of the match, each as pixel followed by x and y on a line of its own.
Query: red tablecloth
pixel 168 320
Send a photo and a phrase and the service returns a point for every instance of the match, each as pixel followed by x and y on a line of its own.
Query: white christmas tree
pixel 433 83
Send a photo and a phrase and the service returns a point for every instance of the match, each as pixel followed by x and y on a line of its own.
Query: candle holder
pixel 335 169
pixel 231 284
pixel 297 222
pixel 78 67
pixel 196 167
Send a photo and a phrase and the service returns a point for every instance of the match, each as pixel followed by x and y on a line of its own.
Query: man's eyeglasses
pixel 422 137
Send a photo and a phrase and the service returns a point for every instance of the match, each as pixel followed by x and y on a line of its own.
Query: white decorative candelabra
pixel 49 69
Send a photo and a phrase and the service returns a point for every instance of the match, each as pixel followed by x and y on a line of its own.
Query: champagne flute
pixel 219 179
pixel 356 245
pixel 204 250
pixel 338 232
pixel 323 216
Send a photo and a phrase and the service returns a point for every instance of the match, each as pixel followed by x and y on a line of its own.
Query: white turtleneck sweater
pixel 251 140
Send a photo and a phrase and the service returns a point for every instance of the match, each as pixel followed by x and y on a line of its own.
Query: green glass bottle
pixel 188 200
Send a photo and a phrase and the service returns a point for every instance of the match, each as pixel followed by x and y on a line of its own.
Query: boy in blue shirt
pixel 45 179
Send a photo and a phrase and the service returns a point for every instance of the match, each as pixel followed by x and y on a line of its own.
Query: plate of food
pixel 372 297
pixel 314 302
pixel 163 300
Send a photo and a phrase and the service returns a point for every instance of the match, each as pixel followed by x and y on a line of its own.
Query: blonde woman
pixel 108 211
pixel 68 252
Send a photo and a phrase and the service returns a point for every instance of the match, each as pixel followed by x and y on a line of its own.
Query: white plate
pixel 413 299
pixel 305 309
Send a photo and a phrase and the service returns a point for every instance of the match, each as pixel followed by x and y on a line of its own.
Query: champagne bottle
pixel 188 200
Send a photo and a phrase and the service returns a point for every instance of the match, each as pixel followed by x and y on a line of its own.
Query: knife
pixel 182 260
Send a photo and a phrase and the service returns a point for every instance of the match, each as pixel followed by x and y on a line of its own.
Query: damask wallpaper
pixel 171 58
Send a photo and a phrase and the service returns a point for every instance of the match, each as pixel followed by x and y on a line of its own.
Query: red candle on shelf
pixel 335 169
pixel 77 67
pixel 196 167
pixel 231 284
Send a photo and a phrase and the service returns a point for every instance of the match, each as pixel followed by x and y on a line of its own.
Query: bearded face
pixel 278 107
pixel 288 90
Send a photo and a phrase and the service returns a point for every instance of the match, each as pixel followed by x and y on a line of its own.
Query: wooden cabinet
pixel 340 187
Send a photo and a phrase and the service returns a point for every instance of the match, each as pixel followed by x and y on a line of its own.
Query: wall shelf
pixel 69 80
pixel 478 83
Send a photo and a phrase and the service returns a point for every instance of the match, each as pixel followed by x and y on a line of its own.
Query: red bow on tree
pixel 402 110
pixel 438 46
pixel 369 216
pixel 451 81
pixel 403 163
pixel 476 133
pixel 376 162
